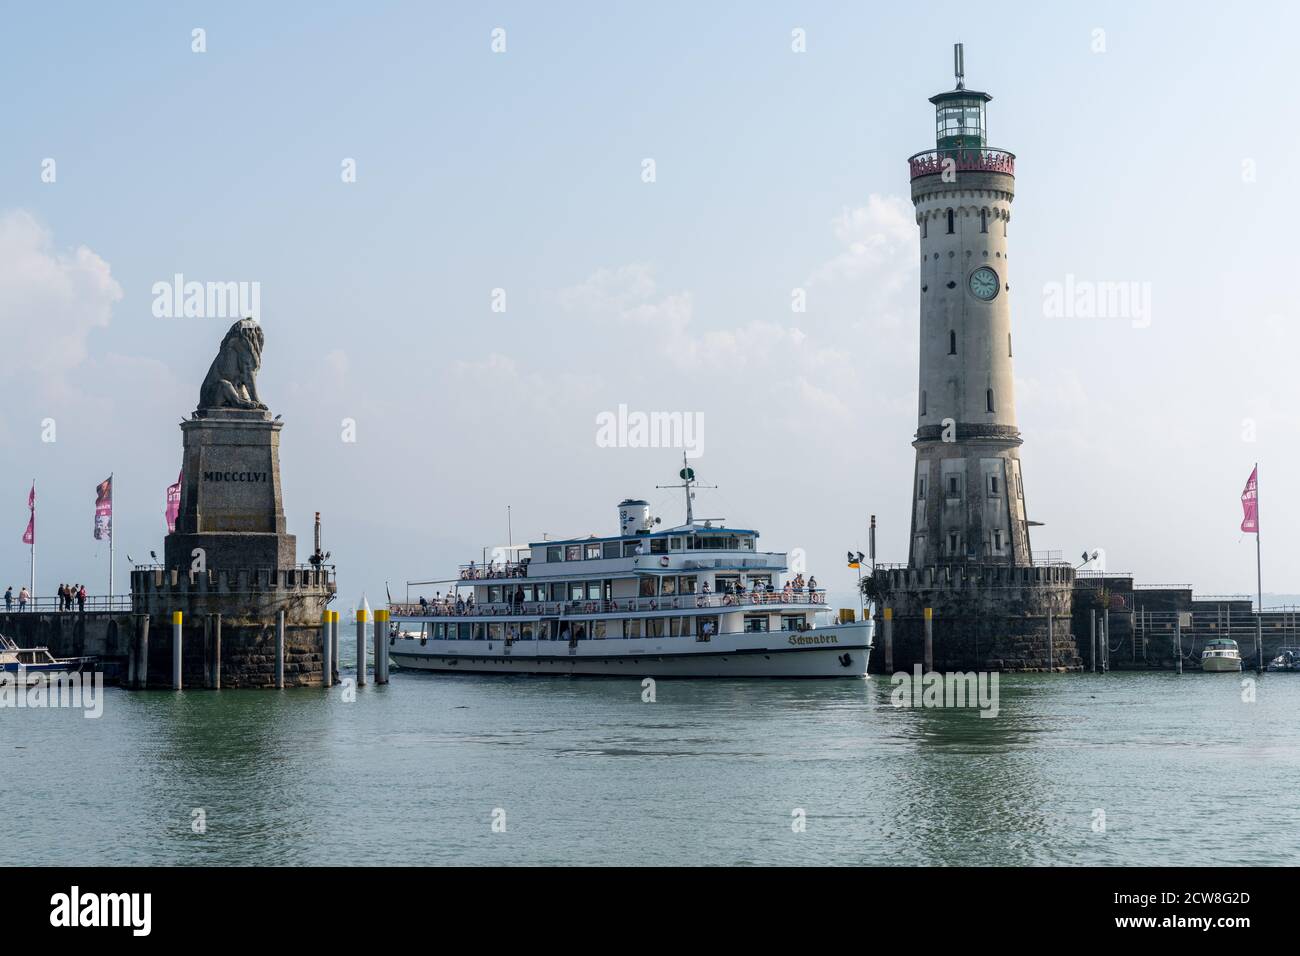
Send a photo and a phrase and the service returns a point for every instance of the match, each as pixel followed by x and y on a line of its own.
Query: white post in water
pixel 381 647
pixel 361 647
pixel 176 650
pixel 929 639
pixel 279 650
pixel 1178 636
pixel 142 668
pixel 326 645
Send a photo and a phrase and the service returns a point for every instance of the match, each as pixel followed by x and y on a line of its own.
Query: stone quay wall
pixel 246 602
pixel 984 617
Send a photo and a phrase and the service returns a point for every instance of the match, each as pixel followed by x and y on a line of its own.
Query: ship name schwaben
pixel 813 639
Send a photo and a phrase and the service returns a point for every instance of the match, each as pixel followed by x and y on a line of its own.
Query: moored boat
pixel 36 660
pixel 1221 654
pixel 695 600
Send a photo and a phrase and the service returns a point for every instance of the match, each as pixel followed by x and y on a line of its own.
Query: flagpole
pixel 31 583
pixel 1259 584
pixel 112 540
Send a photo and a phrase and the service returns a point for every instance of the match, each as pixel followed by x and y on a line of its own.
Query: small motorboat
pixel 1221 654
pixel 37 660
pixel 1287 660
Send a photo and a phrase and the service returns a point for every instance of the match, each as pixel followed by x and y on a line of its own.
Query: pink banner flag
pixel 104 509
pixel 174 502
pixel 29 536
pixel 1250 504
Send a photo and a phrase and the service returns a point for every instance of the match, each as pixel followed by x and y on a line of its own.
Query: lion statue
pixel 232 380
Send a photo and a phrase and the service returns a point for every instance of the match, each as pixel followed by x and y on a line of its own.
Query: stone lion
pixel 232 380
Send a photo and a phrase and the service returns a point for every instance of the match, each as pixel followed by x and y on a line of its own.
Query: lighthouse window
pixel 950 222
pixel 920 489
pixel 925 227
pixel 997 540
pixel 984 220
pixel 922 401
pixel 993 485
pixel 1008 345
pixel 952 342
pixel 952 543
pixel 989 396
pixel 952 486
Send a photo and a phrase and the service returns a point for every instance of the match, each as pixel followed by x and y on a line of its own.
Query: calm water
pixel 586 773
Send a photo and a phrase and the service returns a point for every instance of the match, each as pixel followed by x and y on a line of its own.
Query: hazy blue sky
pixel 1159 152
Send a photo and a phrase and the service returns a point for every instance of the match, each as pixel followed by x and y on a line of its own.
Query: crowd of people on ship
pixel 475 572
pixel 455 604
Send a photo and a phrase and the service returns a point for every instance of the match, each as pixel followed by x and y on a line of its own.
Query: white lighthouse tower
pixel 971 595
pixel 968 502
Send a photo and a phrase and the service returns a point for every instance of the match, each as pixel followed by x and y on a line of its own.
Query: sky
pixel 503 269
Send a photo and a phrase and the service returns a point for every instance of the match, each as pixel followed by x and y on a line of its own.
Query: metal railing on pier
pixel 94 602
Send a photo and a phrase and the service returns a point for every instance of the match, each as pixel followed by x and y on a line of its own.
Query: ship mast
pixel 687 475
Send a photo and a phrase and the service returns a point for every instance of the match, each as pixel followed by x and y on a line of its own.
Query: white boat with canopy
pixel 696 600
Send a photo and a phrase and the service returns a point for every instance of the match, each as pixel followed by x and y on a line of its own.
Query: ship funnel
pixel 633 516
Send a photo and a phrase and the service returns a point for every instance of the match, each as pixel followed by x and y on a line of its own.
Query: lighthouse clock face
pixel 984 283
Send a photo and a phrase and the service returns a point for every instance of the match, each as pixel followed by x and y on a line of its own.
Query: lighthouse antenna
pixel 959 65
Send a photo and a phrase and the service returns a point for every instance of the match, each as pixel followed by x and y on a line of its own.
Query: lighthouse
pixel 971 594
pixel 968 503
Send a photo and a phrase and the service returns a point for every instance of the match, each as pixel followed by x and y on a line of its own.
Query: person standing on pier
pixel 9 598
pixel 22 598
pixel 81 598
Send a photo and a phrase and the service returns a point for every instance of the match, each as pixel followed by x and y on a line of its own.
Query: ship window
pixel 686 584
pixel 593 552
pixel 647 587
pixel 950 222
pixel 658 545
pixel 952 342
pixel 480 631
pixel 629 548
pixel 612 549
pixel 989 397
pixel 526 631
pixel 654 627
pixel 792 622
pixel 756 623
pixel 632 627
pixel 669 586
pixel 675 544
pixel 554 554
pixel 573 552
pixel 494 594
pixel 593 590
pixel 598 630
pixel 463 632
pixel 543 630
pixel 576 590
pixel 557 592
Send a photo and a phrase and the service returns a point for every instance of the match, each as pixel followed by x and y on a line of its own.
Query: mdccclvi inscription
pixel 256 476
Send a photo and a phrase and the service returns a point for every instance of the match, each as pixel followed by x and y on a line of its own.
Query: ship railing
pixel 667 602
pixel 571 641
pixel 491 572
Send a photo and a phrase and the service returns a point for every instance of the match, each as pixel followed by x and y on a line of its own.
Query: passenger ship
pixel 698 600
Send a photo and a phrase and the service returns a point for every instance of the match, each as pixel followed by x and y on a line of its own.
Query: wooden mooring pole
pixel 326 646
pixel 929 639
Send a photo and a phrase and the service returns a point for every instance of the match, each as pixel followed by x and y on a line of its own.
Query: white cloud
pixel 879 242
pixel 50 300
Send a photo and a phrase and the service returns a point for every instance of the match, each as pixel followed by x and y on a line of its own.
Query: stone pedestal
pixel 231 504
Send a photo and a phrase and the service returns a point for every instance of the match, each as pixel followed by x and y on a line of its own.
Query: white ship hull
pixel 835 651
pixel 1221 664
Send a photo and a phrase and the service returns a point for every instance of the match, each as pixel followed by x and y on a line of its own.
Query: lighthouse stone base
pixel 984 617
